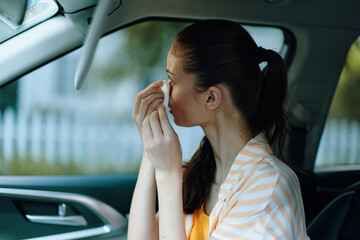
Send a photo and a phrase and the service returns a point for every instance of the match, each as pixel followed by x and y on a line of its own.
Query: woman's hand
pixel 147 101
pixel 142 213
pixel 161 143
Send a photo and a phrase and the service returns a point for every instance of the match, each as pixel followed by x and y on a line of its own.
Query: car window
pixel 49 128
pixel 340 142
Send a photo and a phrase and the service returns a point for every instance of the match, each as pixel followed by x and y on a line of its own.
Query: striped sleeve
pixel 284 215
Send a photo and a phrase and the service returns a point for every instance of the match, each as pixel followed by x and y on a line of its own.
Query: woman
pixel 233 187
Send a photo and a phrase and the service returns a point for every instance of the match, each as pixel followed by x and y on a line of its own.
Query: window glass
pixel 340 141
pixel 47 127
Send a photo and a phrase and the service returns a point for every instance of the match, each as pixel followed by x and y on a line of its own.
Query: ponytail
pixel 199 174
pixel 271 117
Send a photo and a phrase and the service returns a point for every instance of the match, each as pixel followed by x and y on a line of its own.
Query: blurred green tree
pixel 144 46
pixel 346 103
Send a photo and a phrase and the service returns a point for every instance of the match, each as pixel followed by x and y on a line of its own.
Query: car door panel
pixel 65 207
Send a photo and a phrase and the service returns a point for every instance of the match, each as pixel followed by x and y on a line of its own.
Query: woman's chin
pixel 181 123
pixel 177 122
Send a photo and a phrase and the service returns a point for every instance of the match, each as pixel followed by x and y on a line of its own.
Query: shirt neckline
pixel 258 147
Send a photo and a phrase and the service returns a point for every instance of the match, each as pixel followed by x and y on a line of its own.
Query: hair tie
pixel 262 55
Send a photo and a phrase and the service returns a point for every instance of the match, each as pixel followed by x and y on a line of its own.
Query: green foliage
pixel 346 103
pixel 143 47
pixel 28 166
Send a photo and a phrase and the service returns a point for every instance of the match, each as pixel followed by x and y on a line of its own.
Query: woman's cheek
pixel 172 98
pixel 171 89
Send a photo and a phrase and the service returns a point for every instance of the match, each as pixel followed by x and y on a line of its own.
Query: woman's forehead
pixel 173 63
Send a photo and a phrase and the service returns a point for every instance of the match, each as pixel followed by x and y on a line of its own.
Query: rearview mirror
pixel 12 11
pixel 17 16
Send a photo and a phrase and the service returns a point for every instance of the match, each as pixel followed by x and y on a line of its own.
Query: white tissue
pixel 166 90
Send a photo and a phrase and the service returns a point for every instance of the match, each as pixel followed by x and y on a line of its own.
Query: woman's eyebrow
pixel 168 71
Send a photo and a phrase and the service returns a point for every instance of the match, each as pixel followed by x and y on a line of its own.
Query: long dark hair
pixel 221 51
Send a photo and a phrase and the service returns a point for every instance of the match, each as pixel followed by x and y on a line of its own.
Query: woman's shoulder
pixel 284 178
pixel 283 170
pixel 269 171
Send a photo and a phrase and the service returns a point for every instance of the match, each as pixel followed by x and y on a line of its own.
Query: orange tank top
pixel 200 229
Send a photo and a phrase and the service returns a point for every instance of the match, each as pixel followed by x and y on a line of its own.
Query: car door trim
pixel 112 219
pixel 77 220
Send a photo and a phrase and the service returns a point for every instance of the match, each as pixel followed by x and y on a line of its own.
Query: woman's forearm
pixel 142 221
pixel 171 216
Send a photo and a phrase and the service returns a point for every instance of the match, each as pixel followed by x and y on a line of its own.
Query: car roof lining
pixel 318 13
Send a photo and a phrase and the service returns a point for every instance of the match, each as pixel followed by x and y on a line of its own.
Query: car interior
pixel 69 73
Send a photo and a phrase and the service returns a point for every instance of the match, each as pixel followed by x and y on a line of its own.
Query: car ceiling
pixel 317 13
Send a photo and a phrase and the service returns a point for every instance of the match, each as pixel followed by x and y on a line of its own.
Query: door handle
pixel 61 219
pixel 76 220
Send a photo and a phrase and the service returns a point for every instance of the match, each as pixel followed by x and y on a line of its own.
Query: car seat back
pixel 340 219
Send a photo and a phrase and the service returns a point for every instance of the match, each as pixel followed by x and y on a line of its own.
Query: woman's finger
pixel 144 95
pixel 154 105
pixel 164 120
pixel 154 87
pixel 146 131
pixel 145 103
pixel 155 125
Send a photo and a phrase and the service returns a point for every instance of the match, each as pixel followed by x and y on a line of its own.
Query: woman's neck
pixel 227 137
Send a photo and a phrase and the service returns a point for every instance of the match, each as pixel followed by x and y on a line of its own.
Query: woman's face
pixel 185 102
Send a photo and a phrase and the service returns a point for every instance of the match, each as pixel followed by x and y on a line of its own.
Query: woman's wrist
pixel 169 186
pixel 146 168
pixel 168 177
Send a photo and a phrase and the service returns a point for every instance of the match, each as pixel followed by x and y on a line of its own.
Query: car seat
pixel 340 219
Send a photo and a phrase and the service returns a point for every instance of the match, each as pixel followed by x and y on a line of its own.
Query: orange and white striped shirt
pixel 259 199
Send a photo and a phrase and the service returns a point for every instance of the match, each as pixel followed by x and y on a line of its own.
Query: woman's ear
pixel 213 97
